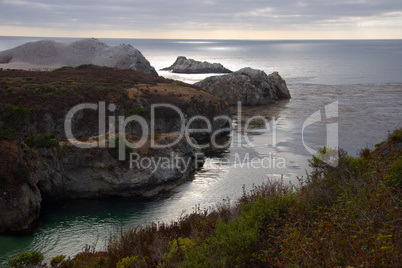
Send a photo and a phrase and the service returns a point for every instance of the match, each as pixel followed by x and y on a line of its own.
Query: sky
pixel 203 19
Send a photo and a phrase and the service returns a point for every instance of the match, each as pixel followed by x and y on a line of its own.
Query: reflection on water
pixel 366 114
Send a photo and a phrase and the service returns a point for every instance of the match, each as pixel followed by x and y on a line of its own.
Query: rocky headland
pixel 38 163
pixel 250 86
pixel 49 54
pixel 190 66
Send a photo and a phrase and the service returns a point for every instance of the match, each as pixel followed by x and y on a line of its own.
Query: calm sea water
pixel 364 77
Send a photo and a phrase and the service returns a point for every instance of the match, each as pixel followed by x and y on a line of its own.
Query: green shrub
pixel 70 80
pixel 63 68
pixel 356 166
pixel 339 216
pixel 64 149
pixel 396 136
pixel 394 174
pixel 87 259
pixel 27 259
pixel 325 157
pixel 186 252
pixel 356 225
pixel 42 141
pixel 8 134
pixel 46 141
pixel 15 115
pixel 127 262
pixel 86 66
pixel 30 141
pixel 234 242
pixel 138 111
pixel 56 261
pixel 378 145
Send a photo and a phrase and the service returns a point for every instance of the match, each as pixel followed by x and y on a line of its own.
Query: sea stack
pixel 190 66
pixel 250 86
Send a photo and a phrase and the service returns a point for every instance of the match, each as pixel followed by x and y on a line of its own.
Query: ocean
pixel 360 79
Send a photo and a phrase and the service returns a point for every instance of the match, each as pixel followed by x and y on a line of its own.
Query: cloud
pixel 198 15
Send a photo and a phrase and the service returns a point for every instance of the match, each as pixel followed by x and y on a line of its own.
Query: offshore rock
pixel 86 51
pixel 250 86
pixel 190 66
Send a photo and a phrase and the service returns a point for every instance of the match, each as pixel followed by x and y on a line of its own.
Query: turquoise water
pixel 363 76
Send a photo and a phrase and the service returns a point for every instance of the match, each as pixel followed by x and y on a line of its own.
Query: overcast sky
pixel 203 19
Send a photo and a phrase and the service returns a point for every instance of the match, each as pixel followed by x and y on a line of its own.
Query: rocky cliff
pixel 19 213
pixel 20 198
pixel 86 51
pixel 53 167
pixel 97 172
pixel 190 66
pixel 250 86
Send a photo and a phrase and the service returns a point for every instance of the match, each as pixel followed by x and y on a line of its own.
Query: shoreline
pixel 363 124
pixel 190 78
pixel 277 195
pixel 28 66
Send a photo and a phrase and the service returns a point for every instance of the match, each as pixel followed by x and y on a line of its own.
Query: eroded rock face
pixel 250 86
pixel 18 213
pixel 190 66
pixel 85 51
pixel 66 171
pixel 97 172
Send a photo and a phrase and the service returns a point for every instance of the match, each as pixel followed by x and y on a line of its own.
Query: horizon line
pixel 222 39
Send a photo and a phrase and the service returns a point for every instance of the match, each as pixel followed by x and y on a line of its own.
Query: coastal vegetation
pixel 343 216
pixel 37 158
pixel 16 119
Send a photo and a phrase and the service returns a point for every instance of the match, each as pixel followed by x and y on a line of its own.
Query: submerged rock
pixel 250 86
pixel 86 51
pixel 190 66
